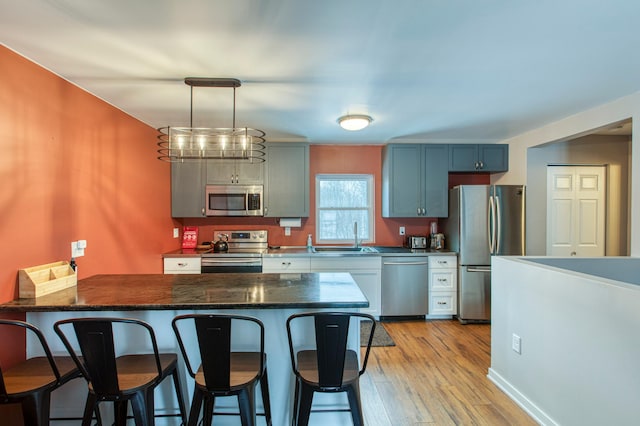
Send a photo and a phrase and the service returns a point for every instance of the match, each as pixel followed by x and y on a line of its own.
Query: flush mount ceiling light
pixel 202 143
pixel 354 122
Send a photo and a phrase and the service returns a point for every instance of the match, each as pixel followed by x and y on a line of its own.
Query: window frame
pixel 370 181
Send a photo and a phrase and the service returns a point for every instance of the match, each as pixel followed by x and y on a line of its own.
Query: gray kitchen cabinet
pixel 224 172
pixel 187 189
pixel 415 180
pixel 491 158
pixel 287 180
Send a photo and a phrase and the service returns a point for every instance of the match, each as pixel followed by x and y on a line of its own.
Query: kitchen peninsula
pixel 157 298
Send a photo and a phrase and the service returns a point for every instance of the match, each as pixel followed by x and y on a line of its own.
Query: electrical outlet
pixel 176 232
pixel 516 344
pixel 77 248
pixel 402 230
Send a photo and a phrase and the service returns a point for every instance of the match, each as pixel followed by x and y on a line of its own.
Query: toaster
pixel 416 242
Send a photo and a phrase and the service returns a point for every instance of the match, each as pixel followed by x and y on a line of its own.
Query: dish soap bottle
pixel 309 242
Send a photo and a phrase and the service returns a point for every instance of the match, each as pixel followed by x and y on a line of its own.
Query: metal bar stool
pixel 128 377
pixel 30 382
pixel 223 372
pixel 330 366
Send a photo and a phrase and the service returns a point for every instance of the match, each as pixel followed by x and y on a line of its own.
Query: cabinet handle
pixel 286 263
pixel 442 280
pixel 182 264
pixel 481 165
pixel 418 211
pixel 203 211
pixel 442 303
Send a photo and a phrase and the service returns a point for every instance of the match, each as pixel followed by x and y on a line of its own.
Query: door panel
pixel 576 197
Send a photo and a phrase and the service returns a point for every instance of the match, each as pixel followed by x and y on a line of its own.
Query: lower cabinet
pixel 281 265
pixel 366 272
pixel 182 265
pixel 443 286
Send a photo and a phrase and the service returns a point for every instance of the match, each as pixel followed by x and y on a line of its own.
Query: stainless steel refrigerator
pixel 484 220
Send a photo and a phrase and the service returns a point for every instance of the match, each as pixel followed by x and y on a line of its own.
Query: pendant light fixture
pixel 178 144
pixel 354 122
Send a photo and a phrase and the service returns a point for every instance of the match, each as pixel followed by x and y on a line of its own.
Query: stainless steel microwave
pixel 233 200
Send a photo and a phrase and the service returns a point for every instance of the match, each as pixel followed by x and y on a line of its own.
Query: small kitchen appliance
pixel 416 242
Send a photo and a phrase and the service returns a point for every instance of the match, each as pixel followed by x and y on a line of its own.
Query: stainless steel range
pixel 244 253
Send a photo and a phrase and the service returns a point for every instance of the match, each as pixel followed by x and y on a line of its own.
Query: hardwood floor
pixel 435 375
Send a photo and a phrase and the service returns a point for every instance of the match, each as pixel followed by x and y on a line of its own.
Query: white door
pixel 576 197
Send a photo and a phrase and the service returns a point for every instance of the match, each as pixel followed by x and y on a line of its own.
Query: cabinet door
pixel 493 157
pixel 436 180
pixel 187 189
pixel 250 173
pixel 287 180
pixel 221 172
pixel 401 180
pixel 463 157
pixel 235 171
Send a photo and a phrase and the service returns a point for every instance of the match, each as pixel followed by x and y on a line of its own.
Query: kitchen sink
pixel 334 249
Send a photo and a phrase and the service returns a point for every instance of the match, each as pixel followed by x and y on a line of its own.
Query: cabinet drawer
pixel 181 265
pixel 285 264
pixel 442 303
pixel 442 280
pixel 440 262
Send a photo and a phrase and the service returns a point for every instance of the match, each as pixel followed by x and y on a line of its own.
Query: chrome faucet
pixel 355 233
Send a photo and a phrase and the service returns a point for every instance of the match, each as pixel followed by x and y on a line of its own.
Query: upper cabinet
pixel 187 189
pixel 415 180
pixel 490 158
pixel 287 180
pixel 224 172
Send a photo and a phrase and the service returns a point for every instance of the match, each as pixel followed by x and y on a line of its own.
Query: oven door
pixel 223 264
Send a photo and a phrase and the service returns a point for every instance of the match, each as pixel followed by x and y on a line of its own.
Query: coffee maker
pixel 436 238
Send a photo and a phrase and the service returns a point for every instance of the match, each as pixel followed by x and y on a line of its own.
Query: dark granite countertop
pixel 199 291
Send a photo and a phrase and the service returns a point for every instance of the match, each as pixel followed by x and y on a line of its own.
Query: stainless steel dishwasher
pixel 404 286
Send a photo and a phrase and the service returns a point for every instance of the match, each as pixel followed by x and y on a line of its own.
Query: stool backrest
pixel 15 324
pixel 331 336
pixel 97 346
pixel 214 334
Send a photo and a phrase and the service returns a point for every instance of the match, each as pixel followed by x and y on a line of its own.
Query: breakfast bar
pixel 157 298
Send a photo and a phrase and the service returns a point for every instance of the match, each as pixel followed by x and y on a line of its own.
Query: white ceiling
pixel 433 70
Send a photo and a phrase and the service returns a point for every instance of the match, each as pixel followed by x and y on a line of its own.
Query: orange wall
pixel 74 167
pixel 356 159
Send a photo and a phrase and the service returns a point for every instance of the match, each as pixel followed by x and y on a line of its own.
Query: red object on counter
pixel 189 237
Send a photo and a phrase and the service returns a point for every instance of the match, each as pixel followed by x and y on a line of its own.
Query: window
pixel 342 201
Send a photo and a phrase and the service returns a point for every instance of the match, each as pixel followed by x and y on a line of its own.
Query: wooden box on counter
pixel 40 280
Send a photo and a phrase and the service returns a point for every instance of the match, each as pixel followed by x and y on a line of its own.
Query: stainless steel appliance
pixel 416 242
pixel 234 200
pixel 483 221
pixel 404 286
pixel 243 254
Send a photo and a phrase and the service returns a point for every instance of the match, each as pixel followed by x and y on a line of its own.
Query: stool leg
pixel 196 404
pixel 176 383
pixel 247 404
pixel 120 412
pixel 207 415
pixel 90 407
pixel 35 409
pixel 264 388
pixel 296 403
pixel 306 399
pixel 353 394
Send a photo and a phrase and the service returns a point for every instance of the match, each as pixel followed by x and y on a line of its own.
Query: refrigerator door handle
pixel 491 225
pixel 478 268
pixel 499 225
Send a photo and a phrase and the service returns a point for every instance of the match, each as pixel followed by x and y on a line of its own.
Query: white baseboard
pixel 527 405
